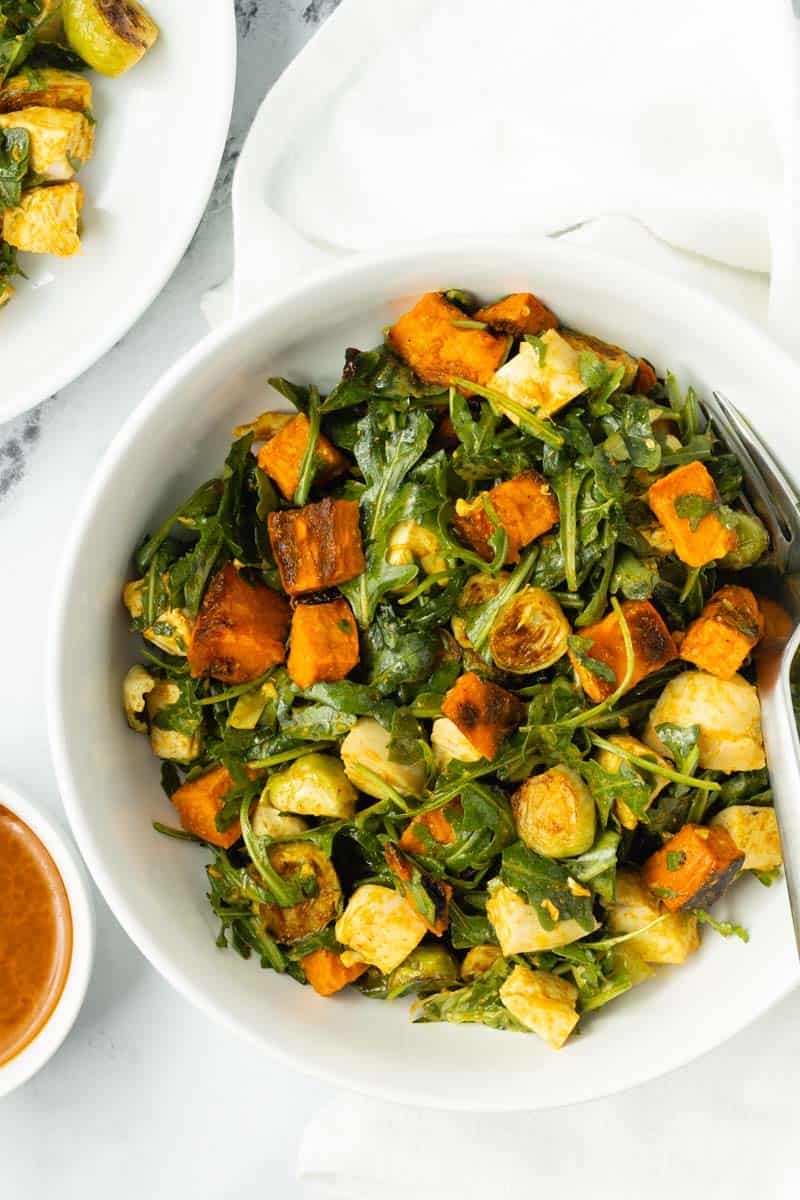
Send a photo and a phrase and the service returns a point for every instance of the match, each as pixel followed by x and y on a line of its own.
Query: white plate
pixel 109 781
pixel 161 131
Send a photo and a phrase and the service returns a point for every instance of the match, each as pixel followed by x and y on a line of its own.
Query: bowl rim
pixel 32 1058
pixel 623 272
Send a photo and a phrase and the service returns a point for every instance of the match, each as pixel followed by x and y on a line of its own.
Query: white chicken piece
pixel 542 1002
pixel 671 941
pixel 267 821
pixel 754 830
pixel 365 754
pixel 728 714
pixel 135 688
pixel 170 743
pixel 46 220
pixel 61 140
pixel 542 383
pixel 380 927
pixel 448 743
pixel 517 924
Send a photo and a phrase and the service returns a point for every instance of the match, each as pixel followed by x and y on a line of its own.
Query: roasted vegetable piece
pixel 367 762
pixel 437 825
pixel 448 743
pixel 672 940
pixel 525 507
pixel 653 648
pixel 429 968
pixel 611 356
pixel 296 862
pixel 554 813
pixel 646 378
pixel 323 644
pixel 477 590
pixel 530 632
pixel 48 88
pixel 518 314
pixel 723 635
pixel 318 546
pixel 379 926
pixel 484 712
pixel 542 378
pixel 110 35
pixel 268 822
pixel 240 630
pixel 752 540
pixel 46 220
pixel 198 803
pixel 612 762
pixel 517 924
pixel 326 972
pixel 282 456
pixel 61 140
pixel 478 960
pixel 171 744
pixel 727 712
pixel 694 867
pixel 754 830
pixel 315 786
pixel 437 349
pixel 436 893
pixel 698 536
pixel 542 1002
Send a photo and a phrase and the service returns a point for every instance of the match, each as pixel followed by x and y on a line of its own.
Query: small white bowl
pixel 25 1064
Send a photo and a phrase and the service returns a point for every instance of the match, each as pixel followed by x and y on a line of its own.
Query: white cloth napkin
pixel 664 132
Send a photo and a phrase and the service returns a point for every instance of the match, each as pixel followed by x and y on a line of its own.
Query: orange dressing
pixel 35 935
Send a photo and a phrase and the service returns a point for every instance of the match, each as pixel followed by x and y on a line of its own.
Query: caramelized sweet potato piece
pixel 726 631
pixel 323 644
pixel 240 630
pixel 525 507
pixel 199 802
pixel 694 867
pixel 436 349
pixel 437 892
pixel 318 546
pixel 646 378
pixel 438 826
pixel 709 539
pixel 282 456
pixel 326 972
pixel 653 648
pixel 484 712
pixel 518 314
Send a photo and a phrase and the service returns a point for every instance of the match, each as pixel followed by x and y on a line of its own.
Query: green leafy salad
pixel 451 672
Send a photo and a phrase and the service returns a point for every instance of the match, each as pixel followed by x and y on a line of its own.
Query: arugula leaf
pixel 396 652
pixel 544 883
pixel 725 928
pixel 376 375
pixel 468 929
pixel 581 647
pixel 14 154
pixel 477 1003
pixel 694 509
pixel 683 741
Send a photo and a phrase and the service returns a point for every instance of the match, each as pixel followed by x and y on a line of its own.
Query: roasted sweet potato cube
pixel 694 867
pixel 653 648
pixel 318 546
pixel 240 630
pixel 484 712
pixel 698 539
pixel 282 456
pixel 326 972
pixel 518 314
pixel 438 893
pixel 438 827
pixel 198 804
pixel 726 631
pixel 525 506
pixel 646 378
pixel 437 350
pixel 323 644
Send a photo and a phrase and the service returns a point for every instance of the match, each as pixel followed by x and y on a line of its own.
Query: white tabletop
pixel 147 1097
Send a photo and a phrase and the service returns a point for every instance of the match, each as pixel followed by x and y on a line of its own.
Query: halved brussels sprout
pixel 478 960
pixel 303 859
pixel 530 632
pixel 477 590
pixel 365 754
pixel 110 35
pixel 752 541
pixel 554 813
pixel 315 785
pixel 429 968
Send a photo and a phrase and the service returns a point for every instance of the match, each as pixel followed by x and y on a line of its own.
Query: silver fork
pixel 775 501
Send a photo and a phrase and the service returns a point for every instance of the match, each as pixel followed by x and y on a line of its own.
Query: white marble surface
pixel 147 1098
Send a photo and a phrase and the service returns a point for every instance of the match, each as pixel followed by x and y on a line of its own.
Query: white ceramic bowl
pixel 33 1057
pixel 109 781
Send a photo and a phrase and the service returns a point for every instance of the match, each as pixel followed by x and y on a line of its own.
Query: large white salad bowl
pixel 110 782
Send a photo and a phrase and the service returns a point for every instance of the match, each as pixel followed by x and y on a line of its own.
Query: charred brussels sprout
pixel 110 35
pixel 429 968
pixel 314 785
pixel 752 541
pixel 530 632
pixel 554 813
